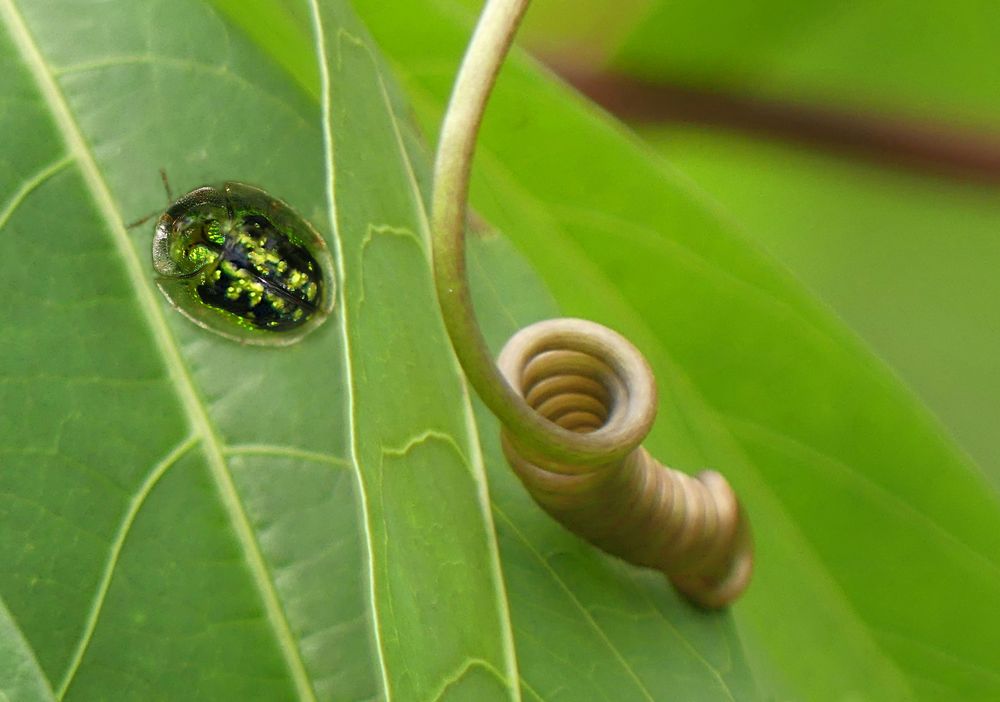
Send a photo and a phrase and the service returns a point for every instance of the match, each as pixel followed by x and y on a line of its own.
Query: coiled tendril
pixel 576 399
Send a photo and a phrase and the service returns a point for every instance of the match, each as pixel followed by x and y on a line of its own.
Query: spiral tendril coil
pixel 576 399
pixel 589 380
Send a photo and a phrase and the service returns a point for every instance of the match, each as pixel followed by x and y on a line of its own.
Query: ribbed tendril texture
pixel 590 381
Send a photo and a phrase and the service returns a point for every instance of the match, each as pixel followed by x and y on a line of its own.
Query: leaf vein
pixel 453 679
pixel 135 505
pixel 422 438
pixel 32 183
pixel 472 431
pixel 322 56
pixel 194 408
pixel 602 635
pixel 220 71
pixel 284 452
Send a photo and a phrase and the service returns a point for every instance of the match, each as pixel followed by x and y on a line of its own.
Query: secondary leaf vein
pixel 30 185
pixel 602 635
pixel 135 504
pixel 284 452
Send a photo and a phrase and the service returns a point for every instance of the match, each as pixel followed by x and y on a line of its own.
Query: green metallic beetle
pixel 243 264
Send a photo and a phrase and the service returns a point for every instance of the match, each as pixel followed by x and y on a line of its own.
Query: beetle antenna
pixel 143 220
pixel 170 199
pixel 166 185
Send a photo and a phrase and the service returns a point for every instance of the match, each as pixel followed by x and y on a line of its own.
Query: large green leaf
pixel 187 518
pixel 181 516
pixel 908 259
pixel 878 540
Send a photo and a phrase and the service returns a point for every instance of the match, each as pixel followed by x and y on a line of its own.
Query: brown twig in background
pixel 941 149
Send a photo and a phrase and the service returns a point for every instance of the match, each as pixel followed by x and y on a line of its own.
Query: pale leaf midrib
pixel 322 57
pixel 196 413
pixel 472 432
pixel 472 438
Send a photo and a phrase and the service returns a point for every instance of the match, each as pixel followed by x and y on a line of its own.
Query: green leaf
pixel 877 538
pixel 908 260
pixel 184 517
pixel 587 626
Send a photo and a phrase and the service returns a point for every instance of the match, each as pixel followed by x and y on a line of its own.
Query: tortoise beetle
pixel 243 264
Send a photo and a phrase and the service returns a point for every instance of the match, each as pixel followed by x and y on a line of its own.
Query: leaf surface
pixel 192 518
pixel 184 516
pixel 877 538
pixel 907 258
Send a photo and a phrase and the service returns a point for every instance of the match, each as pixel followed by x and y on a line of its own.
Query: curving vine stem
pixel 576 399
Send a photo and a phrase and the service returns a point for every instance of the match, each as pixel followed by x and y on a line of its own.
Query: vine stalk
pixel 576 399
